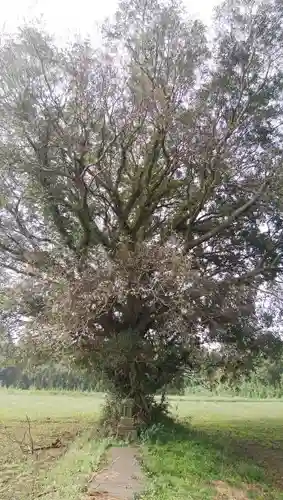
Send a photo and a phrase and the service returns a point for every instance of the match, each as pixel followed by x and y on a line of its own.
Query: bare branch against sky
pixel 65 18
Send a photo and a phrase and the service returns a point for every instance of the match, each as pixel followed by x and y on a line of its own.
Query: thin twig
pixel 32 449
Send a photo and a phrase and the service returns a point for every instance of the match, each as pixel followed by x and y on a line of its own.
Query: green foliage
pixel 7 348
pixel 264 381
pixel 50 376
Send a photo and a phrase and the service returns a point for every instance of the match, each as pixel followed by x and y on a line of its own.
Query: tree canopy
pixel 141 194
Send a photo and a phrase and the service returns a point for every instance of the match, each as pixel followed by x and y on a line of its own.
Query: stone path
pixel 120 479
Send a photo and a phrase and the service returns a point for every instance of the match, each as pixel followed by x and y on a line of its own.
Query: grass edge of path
pixel 68 479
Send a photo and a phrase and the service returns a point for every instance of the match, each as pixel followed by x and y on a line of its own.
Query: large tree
pixel 141 186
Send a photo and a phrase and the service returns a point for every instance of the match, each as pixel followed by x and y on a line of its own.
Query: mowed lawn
pixel 219 449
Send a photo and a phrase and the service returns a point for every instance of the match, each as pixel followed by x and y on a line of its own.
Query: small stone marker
pixel 126 427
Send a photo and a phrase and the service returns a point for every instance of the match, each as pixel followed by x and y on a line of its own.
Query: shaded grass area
pixel 232 453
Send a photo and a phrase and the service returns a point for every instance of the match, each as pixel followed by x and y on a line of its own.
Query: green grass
pixel 15 404
pixel 221 448
pixel 68 479
pixel 208 409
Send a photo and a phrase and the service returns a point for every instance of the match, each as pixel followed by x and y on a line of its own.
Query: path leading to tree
pixel 120 479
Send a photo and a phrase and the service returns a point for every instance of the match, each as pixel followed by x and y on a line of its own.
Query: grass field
pixel 219 449
pixel 62 426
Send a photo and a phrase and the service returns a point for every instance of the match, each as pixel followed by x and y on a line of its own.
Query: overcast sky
pixel 64 18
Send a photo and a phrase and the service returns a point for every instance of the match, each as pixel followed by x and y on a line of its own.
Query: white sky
pixel 64 18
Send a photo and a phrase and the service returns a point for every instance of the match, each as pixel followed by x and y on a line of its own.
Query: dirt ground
pixel 120 479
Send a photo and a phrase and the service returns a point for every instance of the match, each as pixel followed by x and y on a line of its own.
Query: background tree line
pixel 264 380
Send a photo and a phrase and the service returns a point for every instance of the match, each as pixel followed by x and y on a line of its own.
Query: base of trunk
pixel 126 429
pixel 144 412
